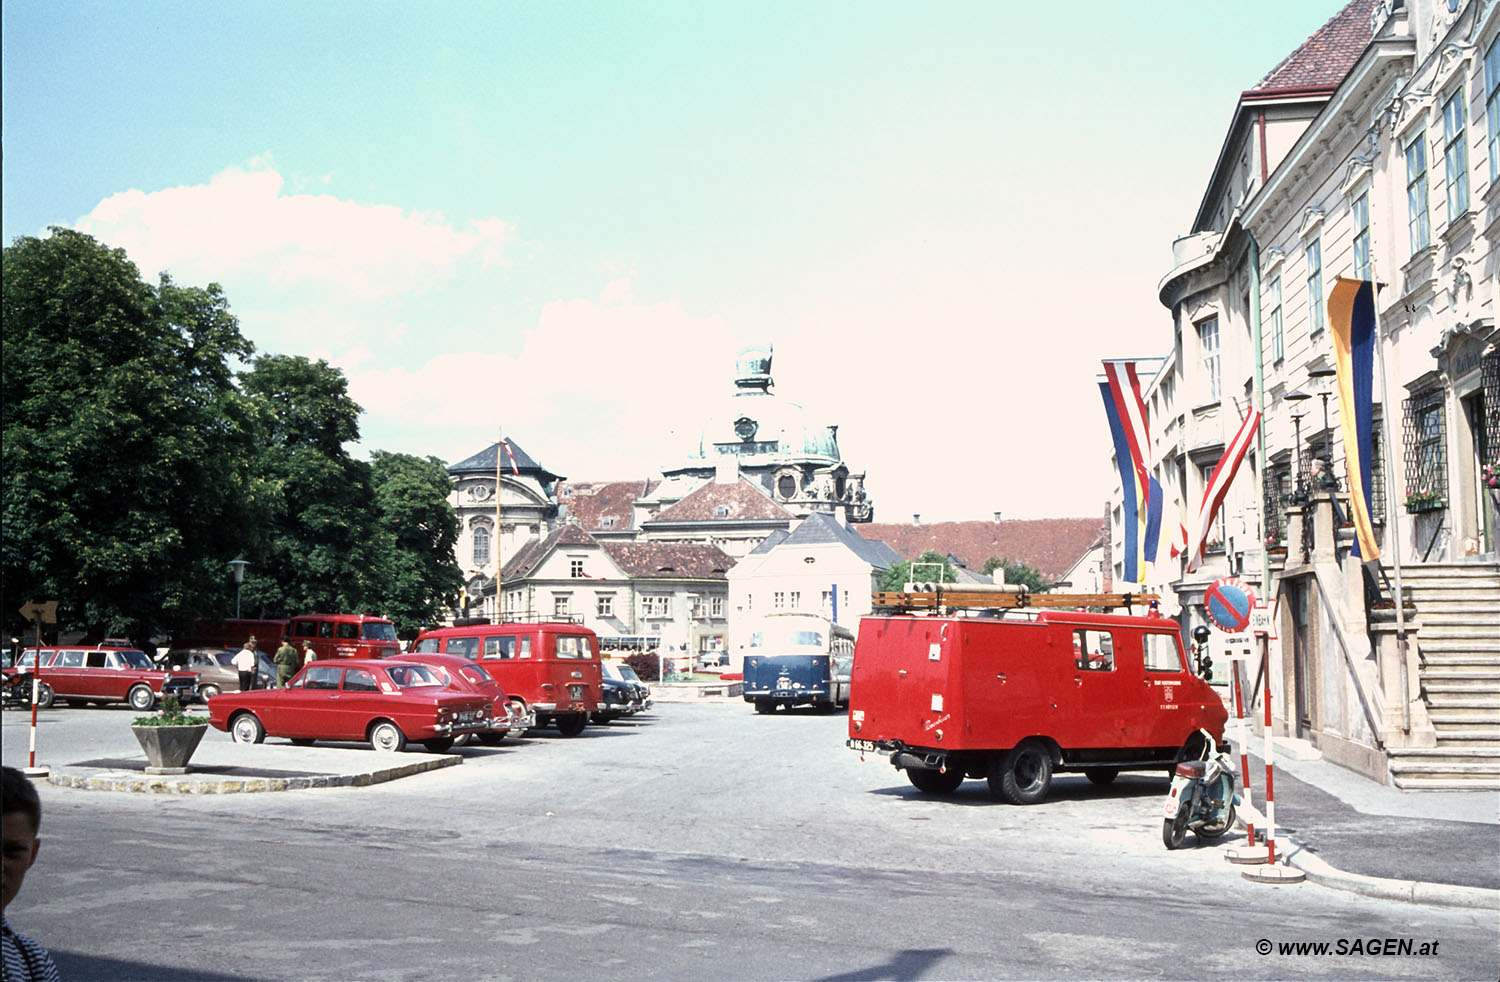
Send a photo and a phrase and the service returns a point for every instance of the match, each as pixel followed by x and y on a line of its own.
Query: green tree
pixel 128 461
pixel 319 549
pixel 1018 574
pixel 900 573
pixel 418 530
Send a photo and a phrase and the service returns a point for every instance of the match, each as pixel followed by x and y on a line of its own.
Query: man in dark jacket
pixel 287 663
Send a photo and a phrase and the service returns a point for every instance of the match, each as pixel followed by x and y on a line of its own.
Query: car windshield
pixel 378 631
pixel 413 676
pixel 133 658
pixel 627 673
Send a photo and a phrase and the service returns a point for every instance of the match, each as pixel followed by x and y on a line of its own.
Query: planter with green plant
pixel 169 737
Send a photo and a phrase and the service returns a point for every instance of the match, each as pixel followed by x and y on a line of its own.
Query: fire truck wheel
pixel 572 724
pixel 1102 775
pixel 934 782
pixel 1023 775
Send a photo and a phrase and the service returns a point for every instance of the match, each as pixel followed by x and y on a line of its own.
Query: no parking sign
pixel 1229 603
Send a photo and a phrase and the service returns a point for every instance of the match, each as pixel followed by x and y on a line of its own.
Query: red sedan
pixel 385 702
pixel 511 715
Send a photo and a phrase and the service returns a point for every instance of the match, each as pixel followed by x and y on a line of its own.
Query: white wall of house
pixel 791 577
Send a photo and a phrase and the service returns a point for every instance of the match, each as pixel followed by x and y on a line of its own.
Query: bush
pixel 646 665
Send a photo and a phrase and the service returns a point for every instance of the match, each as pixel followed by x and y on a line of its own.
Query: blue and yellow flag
pixel 1133 565
pixel 1351 323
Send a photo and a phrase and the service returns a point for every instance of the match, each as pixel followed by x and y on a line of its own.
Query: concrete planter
pixel 169 748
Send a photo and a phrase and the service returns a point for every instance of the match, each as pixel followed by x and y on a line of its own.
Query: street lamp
pixel 1319 377
pixel 1299 496
pixel 238 565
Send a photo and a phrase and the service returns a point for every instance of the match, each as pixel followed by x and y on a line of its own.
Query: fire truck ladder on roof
pixel 933 596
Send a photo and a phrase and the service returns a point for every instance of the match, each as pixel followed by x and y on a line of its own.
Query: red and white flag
pixel 1218 485
pixel 505 445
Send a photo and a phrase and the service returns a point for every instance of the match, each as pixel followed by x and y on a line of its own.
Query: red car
pixel 466 676
pixel 81 675
pixel 385 702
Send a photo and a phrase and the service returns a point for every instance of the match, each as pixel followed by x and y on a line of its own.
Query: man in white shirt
pixel 245 662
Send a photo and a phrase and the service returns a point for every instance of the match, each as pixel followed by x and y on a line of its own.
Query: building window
pixel 653 605
pixel 1426 451
pixel 560 605
pixel 796 599
pixel 481 545
pixel 607 522
pixel 604 606
pixel 1361 216
pixel 721 511
pixel 1215 541
pixel 825 602
pixel 1455 155
pixel 1419 227
pixel 575 568
pixel 1278 344
pixel 716 606
pixel 786 486
pixel 1208 348
pixel 778 600
pixel 1315 287
pixel 1492 106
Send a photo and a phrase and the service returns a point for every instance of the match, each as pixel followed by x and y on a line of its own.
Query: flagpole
pixel 1390 496
pixel 500 555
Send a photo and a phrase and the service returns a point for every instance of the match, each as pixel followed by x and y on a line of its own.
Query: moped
pixel 1202 796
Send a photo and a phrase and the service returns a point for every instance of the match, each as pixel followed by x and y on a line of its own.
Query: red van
pixel 552 667
pixel 1014 699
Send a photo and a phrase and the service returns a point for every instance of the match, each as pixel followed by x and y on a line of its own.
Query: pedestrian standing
pixel 245 662
pixel 308 654
pixel 286 663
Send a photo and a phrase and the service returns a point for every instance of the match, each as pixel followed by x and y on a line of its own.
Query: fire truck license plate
pixel 575 692
pixel 865 746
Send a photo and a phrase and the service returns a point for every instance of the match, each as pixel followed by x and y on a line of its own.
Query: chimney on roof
pixel 997 516
pixel 916 518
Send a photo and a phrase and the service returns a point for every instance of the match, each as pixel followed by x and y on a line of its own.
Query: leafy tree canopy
pixel 419 531
pixel 901 573
pixel 1018 574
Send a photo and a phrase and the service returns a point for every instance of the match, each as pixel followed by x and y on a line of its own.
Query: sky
pixel 563 220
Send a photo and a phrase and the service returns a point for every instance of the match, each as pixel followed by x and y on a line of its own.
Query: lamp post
pixel 1299 496
pixel 238 565
pixel 1327 482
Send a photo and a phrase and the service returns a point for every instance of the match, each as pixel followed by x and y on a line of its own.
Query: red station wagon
pixel 1014 699
pixel 82 675
pixel 552 667
pixel 384 702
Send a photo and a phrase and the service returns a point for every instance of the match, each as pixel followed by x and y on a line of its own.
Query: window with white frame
pixel 656 605
pixel 604 605
pixel 825 602
pixel 481 545
pixel 716 606
pixel 1208 352
pixel 1278 343
pixel 796 599
pixel 778 600
pixel 1492 106
pixel 1419 224
pixel 575 568
pixel 560 603
pixel 1315 287
pixel 1360 214
pixel 1456 155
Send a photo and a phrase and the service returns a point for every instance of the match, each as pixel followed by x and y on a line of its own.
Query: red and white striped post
pixel 1270 787
pixel 1239 737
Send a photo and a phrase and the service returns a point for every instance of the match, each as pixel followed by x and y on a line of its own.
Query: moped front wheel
pixel 1174 830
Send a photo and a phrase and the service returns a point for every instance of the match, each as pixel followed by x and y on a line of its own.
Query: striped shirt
pixel 23 959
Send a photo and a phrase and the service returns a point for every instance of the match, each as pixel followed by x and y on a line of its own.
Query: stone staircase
pixel 1458 643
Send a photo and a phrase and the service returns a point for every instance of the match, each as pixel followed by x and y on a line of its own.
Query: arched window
pixel 481 545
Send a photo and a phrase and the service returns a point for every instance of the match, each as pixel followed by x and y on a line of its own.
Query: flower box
pixel 169 748
pixel 1416 504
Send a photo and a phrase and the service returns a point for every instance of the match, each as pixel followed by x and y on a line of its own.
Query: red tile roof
pixel 742 501
pixel 1324 59
pixel 1051 545
pixel 590 503
pixel 663 561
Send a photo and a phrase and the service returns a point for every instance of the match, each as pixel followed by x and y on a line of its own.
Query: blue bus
pixel 796 659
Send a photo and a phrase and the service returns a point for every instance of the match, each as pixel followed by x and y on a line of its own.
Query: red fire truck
pixel 990 685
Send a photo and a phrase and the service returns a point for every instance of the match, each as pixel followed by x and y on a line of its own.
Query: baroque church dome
pixel 757 426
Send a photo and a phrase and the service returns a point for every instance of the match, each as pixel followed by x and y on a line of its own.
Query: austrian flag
pixel 1218 486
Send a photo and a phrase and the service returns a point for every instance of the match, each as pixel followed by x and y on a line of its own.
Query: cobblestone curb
pixel 190 784
pixel 1385 888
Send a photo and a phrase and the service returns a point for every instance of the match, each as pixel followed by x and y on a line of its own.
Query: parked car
pixel 616 700
pixel 384 702
pixel 215 668
pixel 511 716
pixel 83 675
pixel 621 672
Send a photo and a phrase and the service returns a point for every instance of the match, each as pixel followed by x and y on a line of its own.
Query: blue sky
pixel 565 218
